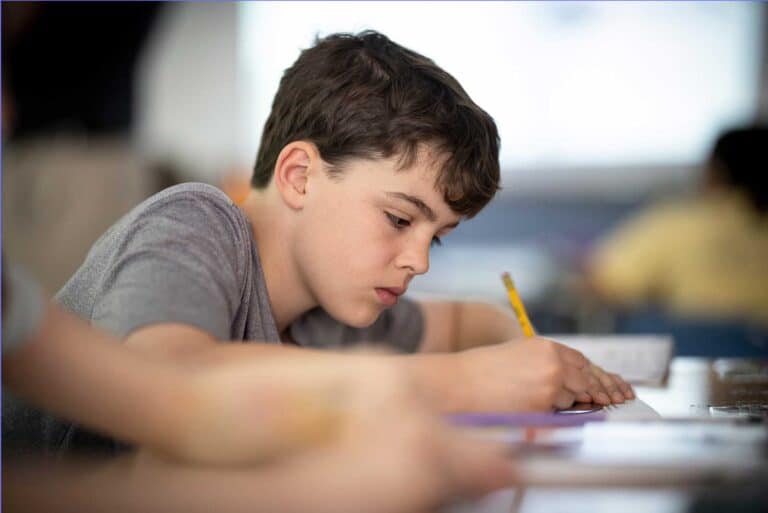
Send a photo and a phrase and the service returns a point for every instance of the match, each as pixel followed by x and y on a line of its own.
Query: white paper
pixel 631 410
pixel 639 359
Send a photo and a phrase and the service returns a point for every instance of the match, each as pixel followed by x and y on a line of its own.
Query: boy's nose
pixel 414 257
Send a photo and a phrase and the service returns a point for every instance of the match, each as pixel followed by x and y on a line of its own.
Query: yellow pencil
pixel 517 305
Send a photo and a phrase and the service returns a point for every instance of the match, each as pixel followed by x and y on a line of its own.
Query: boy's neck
pixel 288 295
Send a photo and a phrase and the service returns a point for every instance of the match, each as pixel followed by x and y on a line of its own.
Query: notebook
pixel 639 359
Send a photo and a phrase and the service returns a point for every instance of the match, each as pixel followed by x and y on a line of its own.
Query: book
pixel 639 359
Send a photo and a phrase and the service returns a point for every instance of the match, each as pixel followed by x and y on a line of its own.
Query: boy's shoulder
pixel 190 203
pixel 191 190
pixel 192 211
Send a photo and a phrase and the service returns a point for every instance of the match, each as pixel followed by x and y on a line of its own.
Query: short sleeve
pixel 23 306
pixel 175 262
pixel 400 327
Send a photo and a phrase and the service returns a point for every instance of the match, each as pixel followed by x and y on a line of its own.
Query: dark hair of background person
pixel 740 160
pixel 364 96
pixel 69 65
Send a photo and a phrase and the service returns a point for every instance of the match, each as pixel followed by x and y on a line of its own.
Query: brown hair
pixel 364 96
pixel 740 159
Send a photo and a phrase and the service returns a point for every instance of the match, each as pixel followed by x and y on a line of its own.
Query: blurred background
pixel 603 109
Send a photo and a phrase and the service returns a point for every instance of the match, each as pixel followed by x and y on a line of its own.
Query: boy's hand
pixel 357 414
pixel 255 411
pixel 405 457
pixel 534 374
pixel 396 457
pixel 412 463
pixel 252 411
pixel 612 384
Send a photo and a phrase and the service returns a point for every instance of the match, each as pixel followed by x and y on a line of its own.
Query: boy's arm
pixel 179 395
pixel 83 374
pixel 561 375
pixel 451 326
pixel 525 375
pixel 192 347
pixel 419 465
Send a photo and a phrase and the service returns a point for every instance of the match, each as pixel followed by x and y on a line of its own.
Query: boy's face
pixel 366 233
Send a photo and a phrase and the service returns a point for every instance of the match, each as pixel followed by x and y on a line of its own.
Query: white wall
pixel 210 70
pixel 187 90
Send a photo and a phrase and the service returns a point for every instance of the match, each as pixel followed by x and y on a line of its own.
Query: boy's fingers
pixel 596 389
pixel 564 399
pixel 575 381
pixel 572 357
pixel 608 383
pixel 622 387
pixel 625 387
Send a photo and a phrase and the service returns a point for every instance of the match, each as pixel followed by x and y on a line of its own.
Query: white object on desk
pixel 639 359
pixel 631 410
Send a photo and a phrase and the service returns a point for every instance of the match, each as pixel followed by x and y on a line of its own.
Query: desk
pixel 692 386
pixel 694 383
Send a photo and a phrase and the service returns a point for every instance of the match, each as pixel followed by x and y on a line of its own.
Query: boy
pixel 371 153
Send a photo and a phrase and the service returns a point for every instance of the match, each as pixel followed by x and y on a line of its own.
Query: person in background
pixel 704 257
pixel 227 436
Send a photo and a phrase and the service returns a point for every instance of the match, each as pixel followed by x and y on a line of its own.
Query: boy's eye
pixel 397 222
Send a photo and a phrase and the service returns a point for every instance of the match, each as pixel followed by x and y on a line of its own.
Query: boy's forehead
pixel 417 180
pixel 420 183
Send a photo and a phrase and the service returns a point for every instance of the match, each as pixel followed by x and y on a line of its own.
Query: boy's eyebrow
pixel 419 203
pixel 423 207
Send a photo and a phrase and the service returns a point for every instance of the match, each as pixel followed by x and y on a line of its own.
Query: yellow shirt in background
pixel 706 256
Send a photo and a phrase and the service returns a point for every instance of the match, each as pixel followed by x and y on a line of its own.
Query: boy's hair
pixel 364 96
pixel 741 160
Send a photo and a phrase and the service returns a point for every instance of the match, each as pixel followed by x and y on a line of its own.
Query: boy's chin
pixel 361 318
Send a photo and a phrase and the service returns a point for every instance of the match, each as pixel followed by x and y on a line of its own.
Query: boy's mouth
pixel 389 295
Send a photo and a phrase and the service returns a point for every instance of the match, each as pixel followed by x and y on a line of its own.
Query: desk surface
pixel 696 383
pixel 693 385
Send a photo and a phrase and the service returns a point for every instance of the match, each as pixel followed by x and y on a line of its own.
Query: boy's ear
pixel 292 169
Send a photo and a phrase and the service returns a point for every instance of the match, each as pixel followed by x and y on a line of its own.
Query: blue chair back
pixel 699 337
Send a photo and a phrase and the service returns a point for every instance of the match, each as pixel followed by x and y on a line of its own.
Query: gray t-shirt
pixel 187 255
pixel 23 306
